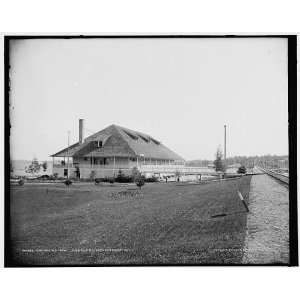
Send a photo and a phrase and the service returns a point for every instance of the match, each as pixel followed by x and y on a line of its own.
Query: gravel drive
pixel 267 236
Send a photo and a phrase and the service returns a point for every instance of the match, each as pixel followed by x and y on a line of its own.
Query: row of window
pixel 106 161
pixel 99 144
pixel 146 139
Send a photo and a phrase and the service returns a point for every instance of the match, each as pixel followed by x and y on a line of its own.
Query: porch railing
pixel 64 166
pixel 142 167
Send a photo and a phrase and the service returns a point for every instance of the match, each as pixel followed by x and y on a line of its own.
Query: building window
pixel 98 144
pixel 154 141
pixel 145 139
pixel 131 135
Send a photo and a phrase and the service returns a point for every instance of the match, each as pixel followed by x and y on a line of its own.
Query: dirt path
pixel 267 237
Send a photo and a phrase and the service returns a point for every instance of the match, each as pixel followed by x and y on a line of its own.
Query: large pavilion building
pixel 112 149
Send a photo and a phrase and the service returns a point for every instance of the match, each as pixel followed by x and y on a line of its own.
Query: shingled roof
pixel 121 142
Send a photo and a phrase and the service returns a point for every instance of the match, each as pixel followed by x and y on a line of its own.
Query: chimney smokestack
pixel 81 131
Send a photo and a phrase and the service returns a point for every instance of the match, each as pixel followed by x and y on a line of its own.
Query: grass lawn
pixel 164 224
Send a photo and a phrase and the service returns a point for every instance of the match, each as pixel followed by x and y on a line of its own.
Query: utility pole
pixel 68 153
pixel 224 150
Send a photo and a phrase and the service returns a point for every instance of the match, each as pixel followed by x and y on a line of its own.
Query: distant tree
pixel 34 167
pixel 219 164
pixel 242 170
pixel 274 161
pixel 45 166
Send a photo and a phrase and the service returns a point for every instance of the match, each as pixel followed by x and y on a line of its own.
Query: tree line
pixel 275 161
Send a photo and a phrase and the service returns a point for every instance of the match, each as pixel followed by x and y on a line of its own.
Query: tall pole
pixel 68 153
pixel 224 149
pixel 114 165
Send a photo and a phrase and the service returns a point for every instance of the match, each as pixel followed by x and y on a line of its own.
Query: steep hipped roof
pixel 68 151
pixel 122 142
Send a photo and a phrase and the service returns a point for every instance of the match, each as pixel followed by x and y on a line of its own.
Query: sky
pixel 180 91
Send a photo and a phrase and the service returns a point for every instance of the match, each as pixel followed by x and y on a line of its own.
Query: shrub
pixel 68 182
pixel 140 182
pixel 111 180
pixel 21 182
pixel 219 163
pixel 242 170
pixel 98 180
pixel 151 179
pixel 44 177
pixel 120 175
pixel 123 178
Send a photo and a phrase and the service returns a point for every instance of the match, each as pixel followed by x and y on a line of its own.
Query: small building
pixel 112 149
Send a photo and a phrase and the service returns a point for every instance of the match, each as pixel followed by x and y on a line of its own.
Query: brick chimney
pixel 81 131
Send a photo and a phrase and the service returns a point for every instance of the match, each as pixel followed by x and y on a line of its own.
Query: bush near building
pixel 140 182
pixel 122 178
pixel 242 170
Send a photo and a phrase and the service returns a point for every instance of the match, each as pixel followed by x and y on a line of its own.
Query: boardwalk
pixel 267 237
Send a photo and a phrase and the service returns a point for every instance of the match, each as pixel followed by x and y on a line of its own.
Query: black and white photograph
pixel 150 150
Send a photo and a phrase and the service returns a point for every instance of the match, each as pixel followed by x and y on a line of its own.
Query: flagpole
pixel 224 150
